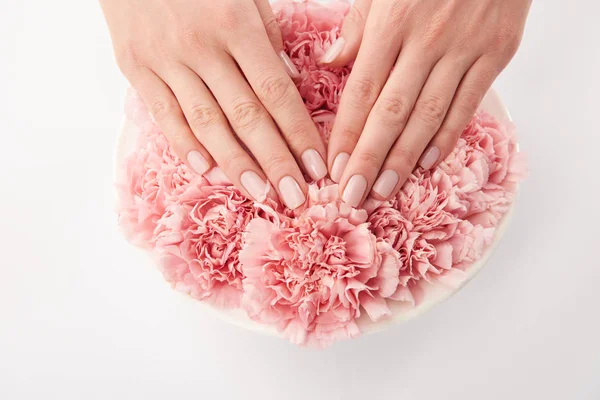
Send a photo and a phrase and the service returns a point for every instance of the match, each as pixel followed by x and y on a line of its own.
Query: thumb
pixel 345 49
pixel 274 33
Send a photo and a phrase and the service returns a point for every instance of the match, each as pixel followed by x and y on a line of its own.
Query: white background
pixel 82 316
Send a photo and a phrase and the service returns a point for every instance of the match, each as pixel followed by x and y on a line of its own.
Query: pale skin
pixel 214 77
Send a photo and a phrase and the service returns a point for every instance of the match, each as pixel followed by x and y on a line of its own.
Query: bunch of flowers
pixel 312 272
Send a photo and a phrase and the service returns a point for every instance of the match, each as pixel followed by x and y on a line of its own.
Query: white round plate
pixel 400 312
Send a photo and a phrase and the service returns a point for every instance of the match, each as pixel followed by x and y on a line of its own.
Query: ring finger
pixel 167 113
pixel 212 130
pixel 385 123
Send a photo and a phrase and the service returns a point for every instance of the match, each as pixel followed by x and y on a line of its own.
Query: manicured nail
pixel 291 193
pixel 334 51
pixel 430 157
pixel 355 190
pixel 314 164
pixel 386 183
pixel 198 162
pixel 289 65
pixel 339 165
pixel 254 185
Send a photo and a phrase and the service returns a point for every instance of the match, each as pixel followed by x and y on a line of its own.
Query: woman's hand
pixel 421 72
pixel 218 84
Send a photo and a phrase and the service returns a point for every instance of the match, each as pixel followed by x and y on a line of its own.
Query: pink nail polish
pixel 430 157
pixel 291 193
pixel 386 183
pixel 334 51
pixel 198 162
pixel 289 65
pixel 355 190
pixel 255 185
pixel 339 165
pixel 314 164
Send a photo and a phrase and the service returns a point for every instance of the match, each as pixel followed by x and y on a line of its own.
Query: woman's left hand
pixel 421 72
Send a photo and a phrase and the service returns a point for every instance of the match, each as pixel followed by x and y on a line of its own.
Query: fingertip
pixel 200 163
pixel 339 165
pixel 291 192
pixel 333 53
pixel 385 185
pixel 355 190
pixel 289 65
pixel 314 164
pixel 430 157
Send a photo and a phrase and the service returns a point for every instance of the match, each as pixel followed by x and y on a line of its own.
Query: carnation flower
pixel 308 30
pixel 311 275
pixel 312 272
pixel 199 239
pixel 152 174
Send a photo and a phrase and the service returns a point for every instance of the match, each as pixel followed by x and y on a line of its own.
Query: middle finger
pixel 255 128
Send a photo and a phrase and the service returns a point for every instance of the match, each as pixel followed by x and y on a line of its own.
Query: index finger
pixel 376 57
pixel 276 91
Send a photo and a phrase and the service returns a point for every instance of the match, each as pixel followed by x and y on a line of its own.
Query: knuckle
pixel 433 32
pixel 274 89
pixel 297 135
pixel 350 135
pixel 272 27
pixel 233 161
pixel 202 116
pixel 469 102
pixel 160 108
pixel 393 110
pixel 179 139
pixel 370 159
pixel 246 114
pixel 405 158
pixel 364 91
pixel 505 40
pixel 431 110
pixel 127 59
pixel 276 162
pixel 354 17
pixel 191 37
pixel 230 15
pixel 398 12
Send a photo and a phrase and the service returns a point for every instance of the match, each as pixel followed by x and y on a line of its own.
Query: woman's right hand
pixel 217 82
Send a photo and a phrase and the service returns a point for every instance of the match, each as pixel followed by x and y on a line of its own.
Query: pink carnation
pixel 199 239
pixel 313 271
pixel 151 174
pixel 310 275
pixel 308 30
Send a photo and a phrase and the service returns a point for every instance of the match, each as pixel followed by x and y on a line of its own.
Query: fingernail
pixel 198 162
pixel 430 157
pixel 355 190
pixel 254 185
pixel 314 164
pixel 386 183
pixel 339 165
pixel 291 193
pixel 334 51
pixel 289 65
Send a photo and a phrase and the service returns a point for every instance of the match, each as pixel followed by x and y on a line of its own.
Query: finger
pixel 385 123
pixel 280 97
pixel 255 128
pixel 371 70
pixel 344 50
pixel 469 95
pixel 167 113
pixel 274 33
pixel 212 130
pixel 426 118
